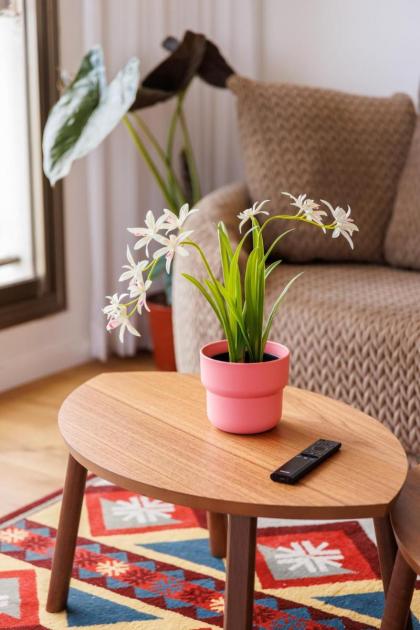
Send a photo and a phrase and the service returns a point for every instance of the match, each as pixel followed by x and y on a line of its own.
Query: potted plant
pixel 244 374
pixel 89 109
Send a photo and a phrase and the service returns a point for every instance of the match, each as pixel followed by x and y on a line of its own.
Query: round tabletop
pixel 148 432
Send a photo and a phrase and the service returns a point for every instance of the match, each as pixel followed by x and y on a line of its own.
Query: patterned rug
pixel 144 564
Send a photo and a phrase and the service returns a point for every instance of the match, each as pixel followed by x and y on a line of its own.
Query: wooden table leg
pixel 217 526
pixel 398 598
pixel 240 570
pixel 65 545
pixel 387 548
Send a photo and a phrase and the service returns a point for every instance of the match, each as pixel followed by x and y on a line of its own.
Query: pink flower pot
pixel 244 397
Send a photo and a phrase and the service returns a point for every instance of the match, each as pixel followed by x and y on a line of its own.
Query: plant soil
pixel 224 356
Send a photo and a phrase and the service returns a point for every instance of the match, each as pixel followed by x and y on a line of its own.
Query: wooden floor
pixel 32 453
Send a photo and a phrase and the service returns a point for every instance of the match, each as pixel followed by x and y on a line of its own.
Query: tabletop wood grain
pixel 148 432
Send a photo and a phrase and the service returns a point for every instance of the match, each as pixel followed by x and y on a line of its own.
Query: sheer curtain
pixel 120 188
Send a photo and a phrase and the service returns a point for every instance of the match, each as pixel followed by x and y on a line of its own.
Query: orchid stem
pixel 151 267
pixel 294 217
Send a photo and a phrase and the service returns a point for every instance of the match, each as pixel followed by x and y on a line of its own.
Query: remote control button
pixel 318 449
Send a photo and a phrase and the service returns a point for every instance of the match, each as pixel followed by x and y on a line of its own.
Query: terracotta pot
pixel 160 318
pixel 244 397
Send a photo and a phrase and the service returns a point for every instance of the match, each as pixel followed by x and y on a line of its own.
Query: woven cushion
pixel 354 332
pixel 330 145
pixel 402 244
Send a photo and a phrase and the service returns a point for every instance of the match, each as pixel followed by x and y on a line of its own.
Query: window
pixel 31 238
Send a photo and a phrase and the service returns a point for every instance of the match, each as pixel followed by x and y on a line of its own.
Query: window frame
pixel 35 298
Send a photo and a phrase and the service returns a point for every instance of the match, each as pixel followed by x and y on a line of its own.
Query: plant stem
pixel 151 267
pixel 172 127
pixel 189 151
pixel 150 135
pixel 161 153
pixel 150 163
pixel 294 217
pixel 171 136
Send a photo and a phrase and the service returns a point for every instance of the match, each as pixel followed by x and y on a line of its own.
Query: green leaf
pixel 232 293
pixel 236 312
pixel 218 292
pixel 235 258
pixel 215 291
pixel 271 268
pixel 86 113
pixel 276 307
pixel 252 304
pixel 225 249
pixel 260 303
pixel 206 294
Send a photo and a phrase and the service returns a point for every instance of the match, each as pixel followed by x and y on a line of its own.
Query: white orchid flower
pixel 114 308
pixel 303 203
pixel 148 233
pixel 173 222
pixel 118 317
pixel 172 245
pixel 246 215
pixel 344 225
pixel 139 290
pixel 134 270
pixel 123 323
pixel 308 207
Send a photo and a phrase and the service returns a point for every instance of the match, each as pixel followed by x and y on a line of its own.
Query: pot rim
pixel 203 354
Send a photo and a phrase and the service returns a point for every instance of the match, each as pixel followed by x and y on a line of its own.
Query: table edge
pixel 235 507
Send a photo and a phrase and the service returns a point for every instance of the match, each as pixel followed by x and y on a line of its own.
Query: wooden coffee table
pixel 148 432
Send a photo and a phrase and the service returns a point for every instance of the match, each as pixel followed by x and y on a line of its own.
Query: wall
pixel 53 343
pixel 365 46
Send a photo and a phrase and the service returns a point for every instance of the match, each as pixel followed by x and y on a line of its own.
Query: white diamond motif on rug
pixel 303 559
pixel 10 597
pixel 137 512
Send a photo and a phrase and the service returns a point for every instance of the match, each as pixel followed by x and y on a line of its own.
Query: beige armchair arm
pixel 193 320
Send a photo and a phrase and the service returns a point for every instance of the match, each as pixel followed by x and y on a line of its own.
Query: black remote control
pixel 307 460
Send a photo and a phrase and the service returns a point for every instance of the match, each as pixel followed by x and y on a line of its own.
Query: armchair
pixel 353 328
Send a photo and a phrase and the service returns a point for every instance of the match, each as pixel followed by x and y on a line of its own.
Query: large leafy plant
pixel 89 109
pixel 86 113
pixel 236 297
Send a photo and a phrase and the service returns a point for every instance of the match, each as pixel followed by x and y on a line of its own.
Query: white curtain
pixel 120 188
